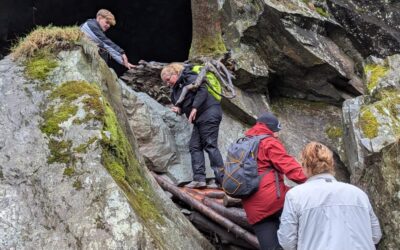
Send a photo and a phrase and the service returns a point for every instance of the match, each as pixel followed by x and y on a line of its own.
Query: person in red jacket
pixel 263 208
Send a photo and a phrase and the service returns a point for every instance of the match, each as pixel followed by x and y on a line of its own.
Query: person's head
pixel 268 119
pixel 170 73
pixel 105 19
pixel 316 158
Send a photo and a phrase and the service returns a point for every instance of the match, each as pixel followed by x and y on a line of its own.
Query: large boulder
pixel 291 40
pixel 69 173
pixel 163 136
pixel 372 143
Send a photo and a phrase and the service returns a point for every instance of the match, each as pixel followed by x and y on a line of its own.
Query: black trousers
pixel 205 138
pixel 266 232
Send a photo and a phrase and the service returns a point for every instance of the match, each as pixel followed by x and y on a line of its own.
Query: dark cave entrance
pixel 152 30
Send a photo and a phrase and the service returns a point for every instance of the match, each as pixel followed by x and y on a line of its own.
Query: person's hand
pixel 129 66
pixel 192 115
pixel 176 110
pixel 126 63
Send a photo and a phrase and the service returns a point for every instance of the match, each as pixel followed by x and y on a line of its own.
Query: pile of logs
pixel 215 212
pixel 146 78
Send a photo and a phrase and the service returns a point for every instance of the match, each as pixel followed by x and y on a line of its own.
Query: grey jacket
pixel 324 214
pixel 93 30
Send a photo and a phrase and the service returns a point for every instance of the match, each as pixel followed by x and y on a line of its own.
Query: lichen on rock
pixel 374 72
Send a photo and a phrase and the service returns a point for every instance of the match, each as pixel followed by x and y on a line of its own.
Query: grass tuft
pixel 49 37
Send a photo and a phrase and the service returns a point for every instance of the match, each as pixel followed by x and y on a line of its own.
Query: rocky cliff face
pixel 293 41
pixel 76 143
pixel 68 174
pixel 372 125
pixel 332 51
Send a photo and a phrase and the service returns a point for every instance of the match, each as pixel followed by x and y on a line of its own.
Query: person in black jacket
pixel 205 113
pixel 94 29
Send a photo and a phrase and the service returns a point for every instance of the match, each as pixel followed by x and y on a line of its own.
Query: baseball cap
pixel 270 120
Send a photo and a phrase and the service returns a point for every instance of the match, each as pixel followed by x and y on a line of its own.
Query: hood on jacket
pixel 259 129
pixel 186 77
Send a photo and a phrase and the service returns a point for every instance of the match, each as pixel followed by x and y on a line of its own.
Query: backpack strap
pixel 270 168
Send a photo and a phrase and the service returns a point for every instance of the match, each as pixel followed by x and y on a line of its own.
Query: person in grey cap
pixel 264 207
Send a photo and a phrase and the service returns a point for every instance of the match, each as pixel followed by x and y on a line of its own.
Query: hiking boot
pixel 213 184
pixel 196 185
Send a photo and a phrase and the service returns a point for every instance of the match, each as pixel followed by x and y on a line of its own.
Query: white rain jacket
pixel 324 214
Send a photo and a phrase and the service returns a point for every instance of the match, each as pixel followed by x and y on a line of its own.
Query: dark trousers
pixel 205 137
pixel 266 232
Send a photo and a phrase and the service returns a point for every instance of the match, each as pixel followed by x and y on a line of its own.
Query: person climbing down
pixel 94 29
pixel 205 113
pixel 264 207
pixel 324 213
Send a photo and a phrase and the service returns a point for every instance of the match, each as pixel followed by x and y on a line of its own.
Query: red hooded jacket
pixel 265 201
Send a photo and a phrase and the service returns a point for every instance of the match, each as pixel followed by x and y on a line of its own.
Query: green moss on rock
pixel 77 185
pixel 70 171
pixel 53 117
pixel 375 73
pixel 73 90
pixel 123 166
pixel 116 170
pixel 386 109
pixel 117 155
pixel 322 11
pixel 369 123
pixel 39 66
pixel 82 148
pixel 60 151
pixel 208 46
pixel 66 93
pixel 334 132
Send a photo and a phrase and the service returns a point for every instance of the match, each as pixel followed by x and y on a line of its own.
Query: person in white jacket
pixel 326 214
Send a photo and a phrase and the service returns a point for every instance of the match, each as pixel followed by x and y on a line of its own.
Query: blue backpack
pixel 241 177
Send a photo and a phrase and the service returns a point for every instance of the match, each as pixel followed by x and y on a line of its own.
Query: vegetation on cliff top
pixel 50 38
